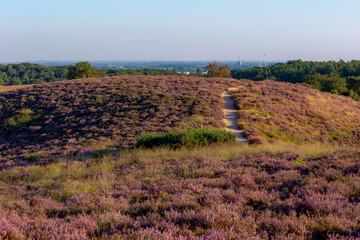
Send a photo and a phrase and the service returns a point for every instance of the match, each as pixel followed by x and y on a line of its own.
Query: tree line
pixel 28 73
pixel 335 77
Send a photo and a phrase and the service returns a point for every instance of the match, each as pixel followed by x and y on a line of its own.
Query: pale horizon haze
pixel 317 30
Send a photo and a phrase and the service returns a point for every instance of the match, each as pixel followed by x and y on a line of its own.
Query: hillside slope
pixel 274 111
pixel 75 116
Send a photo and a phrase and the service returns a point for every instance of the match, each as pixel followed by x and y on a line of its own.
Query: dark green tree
pixel 314 81
pixel 3 79
pixel 216 69
pixel 15 81
pixel 334 84
pixel 82 70
pixel 354 84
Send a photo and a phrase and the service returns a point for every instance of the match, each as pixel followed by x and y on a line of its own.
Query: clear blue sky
pixel 179 29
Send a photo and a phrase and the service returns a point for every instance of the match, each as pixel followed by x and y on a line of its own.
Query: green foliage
pixel 299 161
pixel 15 81
pixel 186 139
pixel 335 77
pixel 27 73
pixel 33 157
pixel 216 69
pixel 339 134
pixel 24 116
pixel 333 83
pixel 354 95
pixel 82 70
pixel 31 98
pixel 354 84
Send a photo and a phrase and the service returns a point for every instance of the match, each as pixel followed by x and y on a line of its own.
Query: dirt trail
pixel 230 115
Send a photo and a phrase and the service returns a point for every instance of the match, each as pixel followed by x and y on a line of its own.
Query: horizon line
pixel 164 60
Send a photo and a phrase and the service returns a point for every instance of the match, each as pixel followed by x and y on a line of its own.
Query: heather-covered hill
pixel 75 116
pixel 229 191
pixel 273 111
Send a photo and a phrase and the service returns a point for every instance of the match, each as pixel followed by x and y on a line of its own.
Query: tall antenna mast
pixel 260 60
pixel 265 59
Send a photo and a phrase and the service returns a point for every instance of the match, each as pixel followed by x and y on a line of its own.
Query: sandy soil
pixel 230 115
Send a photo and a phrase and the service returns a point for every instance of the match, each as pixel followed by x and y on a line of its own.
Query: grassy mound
pixel 77 116
pixel 272 111
pixel 185 139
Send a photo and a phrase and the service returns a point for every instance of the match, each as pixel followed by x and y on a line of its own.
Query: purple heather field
pixel 69 168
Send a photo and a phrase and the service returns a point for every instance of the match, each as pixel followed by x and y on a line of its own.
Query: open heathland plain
pixel 70 168
pixel 77 116
pixel 272 111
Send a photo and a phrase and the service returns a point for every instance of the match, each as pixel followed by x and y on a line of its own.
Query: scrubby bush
pixel 22 117
pixel 185 139
pixel 82 70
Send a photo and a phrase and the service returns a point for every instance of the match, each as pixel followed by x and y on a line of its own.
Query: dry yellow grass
pixel 11 88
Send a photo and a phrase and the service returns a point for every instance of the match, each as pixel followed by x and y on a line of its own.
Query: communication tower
pixel 265 59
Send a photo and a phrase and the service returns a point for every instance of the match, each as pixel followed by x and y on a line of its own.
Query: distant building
pixel 238 64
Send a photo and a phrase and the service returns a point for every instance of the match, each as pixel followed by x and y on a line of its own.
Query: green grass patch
pixel 22 117
pixel 299 161
pixel 185 139
pixel 339 134
pixel 33 157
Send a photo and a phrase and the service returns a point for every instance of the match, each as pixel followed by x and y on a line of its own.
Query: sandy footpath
pixel 230 115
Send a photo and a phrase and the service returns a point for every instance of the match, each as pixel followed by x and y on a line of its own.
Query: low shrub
pixel 185 139
pixel 22 117
pixel 33 157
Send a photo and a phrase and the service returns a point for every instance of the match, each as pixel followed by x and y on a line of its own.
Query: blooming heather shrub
pixel 274 111
pixel 185 139
pixel 11 229
pixel 73 117
pixel 86 224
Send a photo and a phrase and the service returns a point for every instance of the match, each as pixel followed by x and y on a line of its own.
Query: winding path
pixel 230 115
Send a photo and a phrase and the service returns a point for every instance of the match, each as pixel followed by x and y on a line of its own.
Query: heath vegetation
pixel 271 111
pixel 218 192
pixel 73 117
pixel 70 168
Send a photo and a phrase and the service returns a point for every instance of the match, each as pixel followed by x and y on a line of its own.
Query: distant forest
pixel 335 77
pixel 28 73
